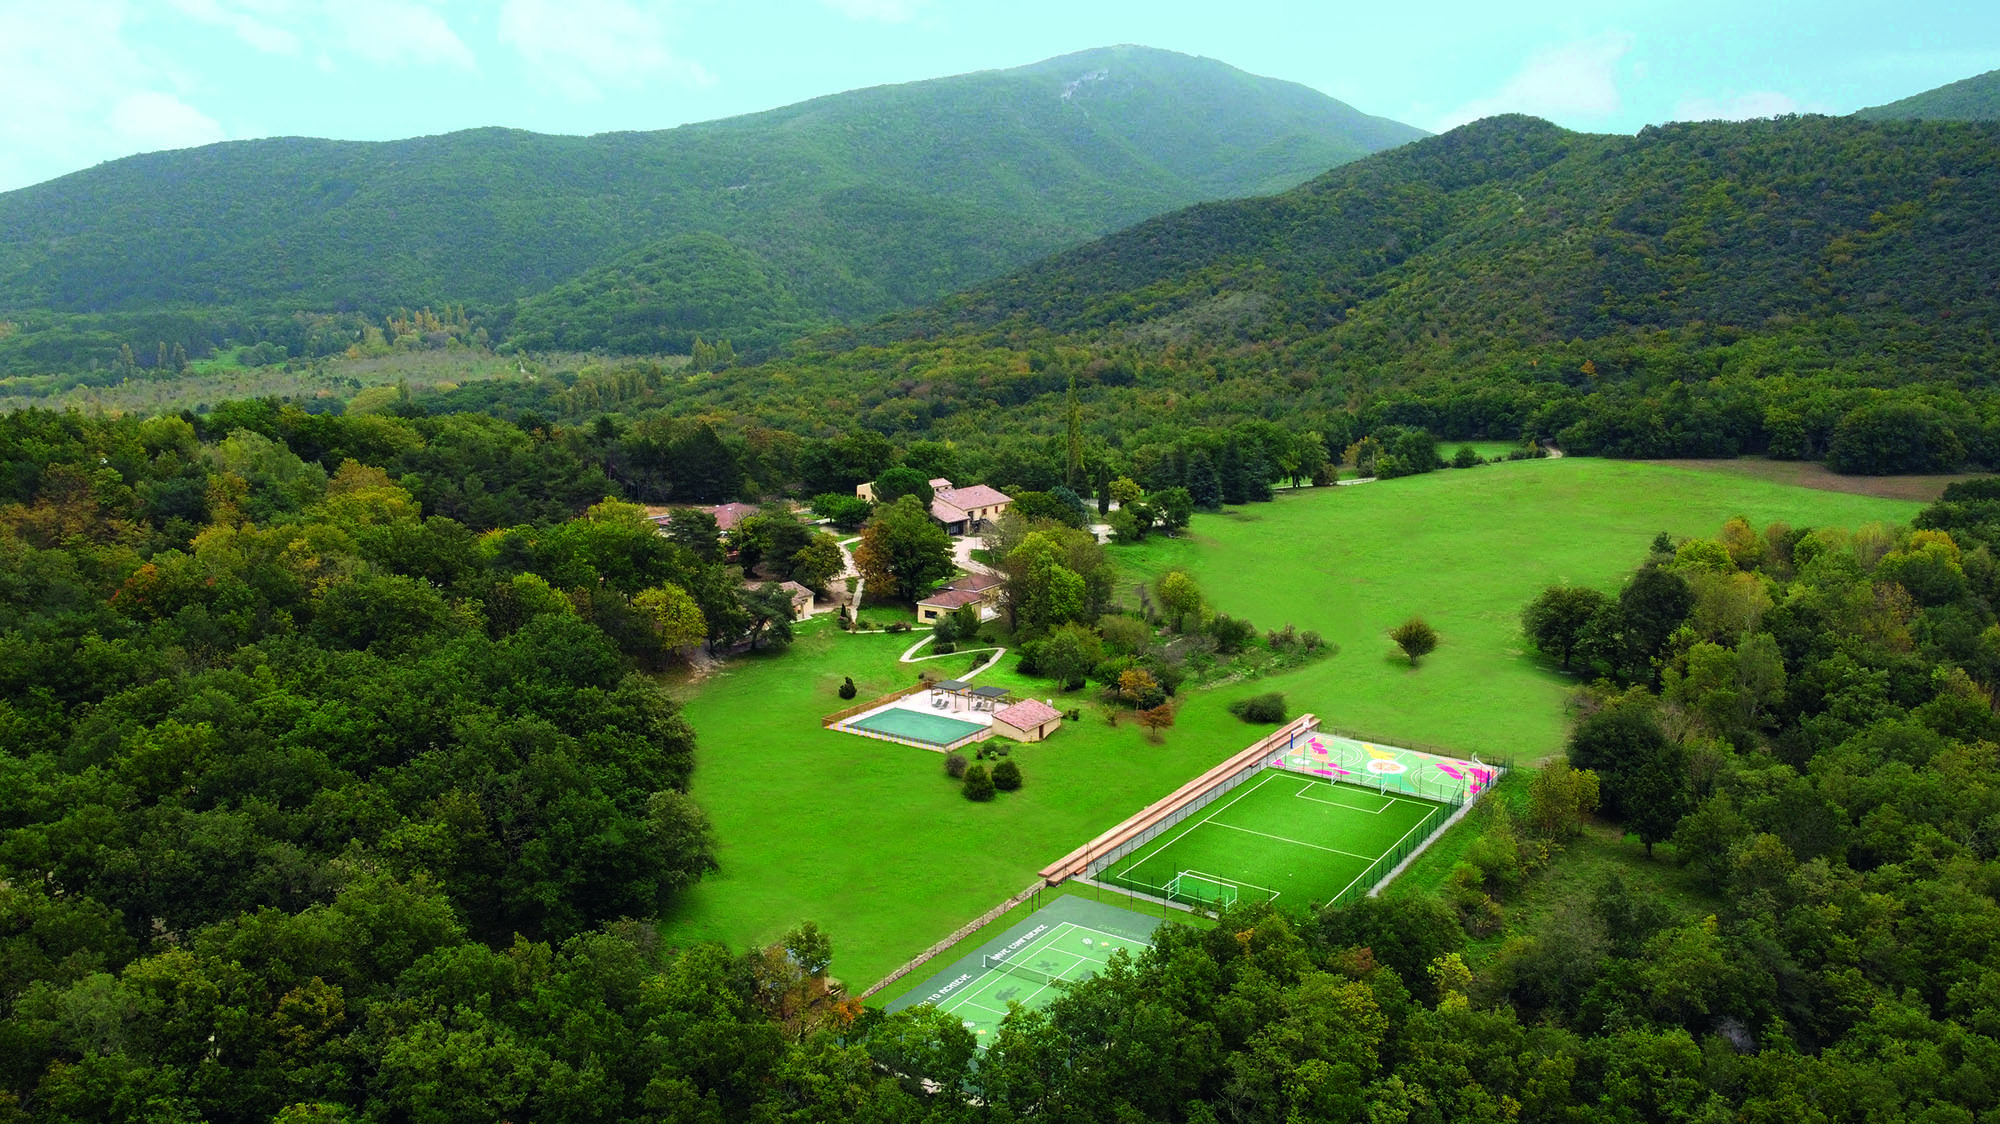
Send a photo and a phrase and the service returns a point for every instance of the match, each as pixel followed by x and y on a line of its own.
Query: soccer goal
pixel 1205 889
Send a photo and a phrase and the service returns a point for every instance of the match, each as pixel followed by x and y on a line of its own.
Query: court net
pixel 998 964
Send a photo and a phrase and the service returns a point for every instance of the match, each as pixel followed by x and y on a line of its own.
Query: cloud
pixel 581 47
pixel 77 92
pixel 246 22
pixel 879 11
pixel 150 120
pixel 1742 107
pixel 394 32
pixel 1568 81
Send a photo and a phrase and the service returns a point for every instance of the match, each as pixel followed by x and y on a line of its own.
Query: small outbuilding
pixel 1028 721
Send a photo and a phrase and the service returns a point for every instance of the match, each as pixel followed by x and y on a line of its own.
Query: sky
pixel 84 81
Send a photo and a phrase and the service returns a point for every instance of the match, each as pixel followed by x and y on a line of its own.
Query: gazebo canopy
pixel 949 685
pixel 990 692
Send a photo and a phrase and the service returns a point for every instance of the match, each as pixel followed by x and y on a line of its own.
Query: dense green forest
pixel 839 208
pixel 332 795
pixel 1971 99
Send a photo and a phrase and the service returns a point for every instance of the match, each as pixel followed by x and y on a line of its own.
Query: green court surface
pixel 1068 940
pixel 1280 836
pixel 930 729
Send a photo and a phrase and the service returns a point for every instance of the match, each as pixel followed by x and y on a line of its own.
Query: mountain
pixel 1700 289
pixel 1511 232
pixel 1971 99
pixel 834 209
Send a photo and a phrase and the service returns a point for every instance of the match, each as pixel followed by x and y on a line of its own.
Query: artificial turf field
pixel 869 839
pixel 1068 940
pixel 1280 836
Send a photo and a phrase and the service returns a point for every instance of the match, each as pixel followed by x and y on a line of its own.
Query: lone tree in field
pixel 1416 638
pixel 978 784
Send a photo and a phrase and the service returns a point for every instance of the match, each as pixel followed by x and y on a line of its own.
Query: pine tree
pixel 1202 482
pixel 1235 481
pixel 1073 476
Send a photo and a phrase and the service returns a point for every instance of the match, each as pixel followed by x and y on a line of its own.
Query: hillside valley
pixel 754 228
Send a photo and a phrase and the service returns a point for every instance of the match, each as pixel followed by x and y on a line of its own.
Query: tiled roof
pixel 952 599
pixel 979 495
pixel 976 582
pixel 1027 714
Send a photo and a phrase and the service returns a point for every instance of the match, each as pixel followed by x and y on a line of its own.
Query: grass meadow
pixel 869 839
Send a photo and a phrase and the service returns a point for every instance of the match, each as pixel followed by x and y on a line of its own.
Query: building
pixel 966 511
pixel 962 511
pixel 1030 720
pixel 802 599
pixel 982 590
pixel 727 515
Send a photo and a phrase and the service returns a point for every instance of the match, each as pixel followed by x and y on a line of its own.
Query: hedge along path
pixel 910 656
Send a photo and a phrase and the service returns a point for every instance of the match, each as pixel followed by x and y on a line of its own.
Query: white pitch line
pixel 1178 831
pixel 1310 785
pixel 1299 842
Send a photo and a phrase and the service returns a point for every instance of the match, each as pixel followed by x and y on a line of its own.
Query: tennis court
pixel 917 726
pixel 1071 939
pixel 1282 836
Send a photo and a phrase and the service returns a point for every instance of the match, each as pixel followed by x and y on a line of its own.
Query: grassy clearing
pixel 1465 550
pixel 871 840
pixel 1812 474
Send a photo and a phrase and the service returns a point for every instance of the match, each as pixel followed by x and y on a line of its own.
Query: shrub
pixel 1466 457
pixel 898 626
pixel 1311 641
pixel 978 783
pixel 1266 709
pixel 847 689
pixel 954 765
pixel 1006 776
pixel 943 648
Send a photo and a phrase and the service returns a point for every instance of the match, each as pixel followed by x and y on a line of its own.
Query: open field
pixel 1465 550
pixel 1812 474
pixel 869 838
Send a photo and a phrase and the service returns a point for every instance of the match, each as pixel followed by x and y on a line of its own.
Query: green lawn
pixel 869 838
pixel 1465 549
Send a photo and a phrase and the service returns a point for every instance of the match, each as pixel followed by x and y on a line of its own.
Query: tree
pixel 1007 776
pixel 1655 794
pixel 818 562
pixel 1157 718
pixel 697 530
pixel 978 784
pixel 1068 654
pixel 841 510
pixel 1416 638
pixel 1204 485
pixel 902 481
pixel 955 765
pixel 1616 743
pixel 1558 799
pixel 903 551
pixel 1173 508
pixel 1179 597
pixel 1557 618
pixel 847 688
pixel 675 618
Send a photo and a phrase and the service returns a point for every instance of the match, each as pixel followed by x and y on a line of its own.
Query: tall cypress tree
pixel 1235 482
pixel 1202 481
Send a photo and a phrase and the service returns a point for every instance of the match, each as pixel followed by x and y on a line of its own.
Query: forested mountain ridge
pixel 852 204
pixel 1969 99
pixel 1696 290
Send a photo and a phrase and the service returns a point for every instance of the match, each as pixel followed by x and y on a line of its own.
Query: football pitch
pixel 1280 836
